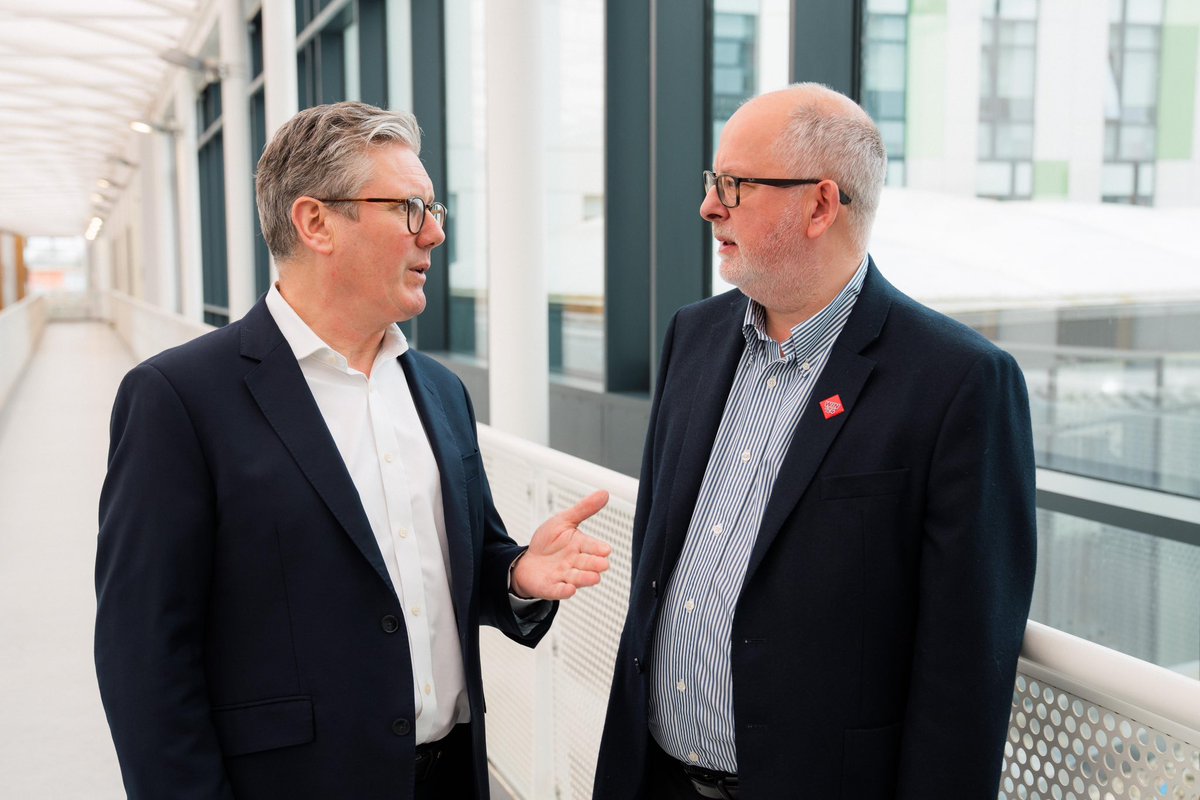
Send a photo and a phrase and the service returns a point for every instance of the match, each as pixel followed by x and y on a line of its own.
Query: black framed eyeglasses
pixel 415 208
pixel 729 187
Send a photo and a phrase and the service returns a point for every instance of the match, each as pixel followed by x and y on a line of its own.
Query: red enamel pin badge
pixel 832 406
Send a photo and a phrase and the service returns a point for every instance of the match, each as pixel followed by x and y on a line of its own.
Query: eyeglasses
pixel 415 207
pixel 729 187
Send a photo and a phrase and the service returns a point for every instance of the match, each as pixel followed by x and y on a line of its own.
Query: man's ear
pixel 311 219
pixel 826 209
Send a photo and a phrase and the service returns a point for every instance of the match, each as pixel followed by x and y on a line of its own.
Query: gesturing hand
pixel 561 558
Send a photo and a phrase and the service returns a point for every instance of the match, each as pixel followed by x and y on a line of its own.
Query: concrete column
pixel 944 52
pixel 279 62
pixel 399 45
pixel 1072 54
pixel 187 193
pixel 518 349
pixel 235 130
pixel 516 281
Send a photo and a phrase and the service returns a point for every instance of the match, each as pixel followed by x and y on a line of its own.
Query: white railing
pixel 1087 722
pixel 21 328
pixel 147 329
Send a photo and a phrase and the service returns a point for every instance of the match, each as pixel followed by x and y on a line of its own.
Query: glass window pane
pixel 574 98
pixel 1015 73
pixel 761 31
pixel 985 140
pixel 1141 595
pixel 1137 143
pixel 1145 180
pixel 885 66
pixel 1116 179
pixel 1014 140
pixel 1023 179
pixel 1146 12
pixel 993 179
pixel 1139 83
pixel 466 177
pixel 887 6
pixel 1018 9
pixel 1141 37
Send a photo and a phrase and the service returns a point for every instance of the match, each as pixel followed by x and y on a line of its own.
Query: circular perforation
pixel 1066 748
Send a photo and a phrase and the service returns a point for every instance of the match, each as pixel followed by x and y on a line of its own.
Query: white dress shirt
pixel 375 426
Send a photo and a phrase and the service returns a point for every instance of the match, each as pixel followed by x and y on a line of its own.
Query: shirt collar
pixel 809 336
pixel 306 344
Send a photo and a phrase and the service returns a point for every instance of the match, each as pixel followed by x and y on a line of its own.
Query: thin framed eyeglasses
pixel 415 209
pixel 729 187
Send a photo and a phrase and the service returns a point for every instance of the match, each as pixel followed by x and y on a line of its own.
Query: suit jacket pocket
pixel 264 725
pixel 864 484
pixel 471 462
pixel 870 762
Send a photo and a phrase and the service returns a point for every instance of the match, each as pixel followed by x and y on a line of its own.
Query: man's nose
pixel 712 209
pixel 431 234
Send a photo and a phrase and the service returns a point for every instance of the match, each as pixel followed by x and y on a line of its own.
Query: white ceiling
pixel 73 74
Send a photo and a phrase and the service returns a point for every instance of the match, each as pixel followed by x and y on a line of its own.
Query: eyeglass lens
pixel 416 214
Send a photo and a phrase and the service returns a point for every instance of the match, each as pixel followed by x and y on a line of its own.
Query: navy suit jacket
pixel 247 642
pixel 876 636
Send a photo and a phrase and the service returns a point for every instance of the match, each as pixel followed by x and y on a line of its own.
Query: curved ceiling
pixel 73 75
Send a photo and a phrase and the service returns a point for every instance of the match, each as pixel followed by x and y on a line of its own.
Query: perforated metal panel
pixel 509 670
pixel 586 633
pixel 1061 747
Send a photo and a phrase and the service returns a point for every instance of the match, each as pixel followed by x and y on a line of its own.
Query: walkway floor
pixel 54 740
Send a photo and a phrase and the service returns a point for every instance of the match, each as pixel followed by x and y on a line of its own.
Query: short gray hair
pixel 322 152
pixel 843 145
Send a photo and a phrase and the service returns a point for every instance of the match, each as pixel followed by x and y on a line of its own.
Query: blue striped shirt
pixel 691 700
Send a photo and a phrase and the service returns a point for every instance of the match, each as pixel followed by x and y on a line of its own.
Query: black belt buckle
pixel 426 760
pixel 712 785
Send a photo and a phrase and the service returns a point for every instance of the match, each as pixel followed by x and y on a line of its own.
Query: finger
pixel 586 507
pixel 561 591
pixel 591 546
pixel 590 563
pixel 579 577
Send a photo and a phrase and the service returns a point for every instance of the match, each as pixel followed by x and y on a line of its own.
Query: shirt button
pixel 772 383
pixel 745 456
pixel 416 611
pixel 402 532
pixel 694 758
pixel 806 366
pixel 428 689
pixel 387 457
pixel 689 605
pixel 681 686
pixel 717 529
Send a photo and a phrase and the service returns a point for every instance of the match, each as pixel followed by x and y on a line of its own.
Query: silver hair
pixel 844 146
pixel 323 152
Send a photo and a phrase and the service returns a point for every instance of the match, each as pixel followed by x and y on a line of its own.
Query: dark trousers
pixel 452 776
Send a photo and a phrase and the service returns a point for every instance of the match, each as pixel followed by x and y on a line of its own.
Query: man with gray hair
pixel 297 539
pixel 833 548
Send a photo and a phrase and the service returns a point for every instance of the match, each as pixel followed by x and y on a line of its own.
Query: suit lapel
pixel 845 375
pixel 459 536
pixel 719 351
pixel 279 388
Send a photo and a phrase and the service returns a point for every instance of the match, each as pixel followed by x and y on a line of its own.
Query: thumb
pixel 586 507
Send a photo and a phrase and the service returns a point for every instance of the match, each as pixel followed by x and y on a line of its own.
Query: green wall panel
pixel 1051 180
pixel 1177 92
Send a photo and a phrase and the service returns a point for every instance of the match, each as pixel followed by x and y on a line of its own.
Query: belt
pixel 430 753
pixel 711 783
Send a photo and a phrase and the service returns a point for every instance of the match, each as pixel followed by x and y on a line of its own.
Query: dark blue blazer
pixel 876 637
pixel 247 642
